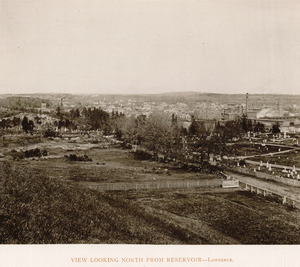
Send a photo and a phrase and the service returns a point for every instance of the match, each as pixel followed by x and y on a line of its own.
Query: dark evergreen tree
pixel 275 128
pixel 25 124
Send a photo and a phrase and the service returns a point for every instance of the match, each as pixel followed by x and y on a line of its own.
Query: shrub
pixel 74 157
pixel 242 162
pixel 50 133
pixel 33 153
pixel 141 155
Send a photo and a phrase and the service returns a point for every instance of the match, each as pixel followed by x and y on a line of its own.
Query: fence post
pixel 284 200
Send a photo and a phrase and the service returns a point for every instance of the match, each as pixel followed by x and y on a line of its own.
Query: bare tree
pixel 159 135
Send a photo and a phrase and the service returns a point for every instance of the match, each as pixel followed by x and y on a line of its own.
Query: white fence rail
pixel 261 175
pixel 203 183
pixel 267 193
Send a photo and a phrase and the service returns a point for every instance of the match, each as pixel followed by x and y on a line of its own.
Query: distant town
pixel 266 109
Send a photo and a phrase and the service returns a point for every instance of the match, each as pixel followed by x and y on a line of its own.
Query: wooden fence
pixel 265 176
pixel 270 194
pixel 203 183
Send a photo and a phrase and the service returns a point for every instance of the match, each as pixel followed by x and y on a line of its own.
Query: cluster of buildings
pixel 210 111
pixel 267 115
pixel 262 112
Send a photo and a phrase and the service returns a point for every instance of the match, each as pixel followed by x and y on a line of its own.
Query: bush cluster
pixel 73 157
pixel 35 153
pixel 50 133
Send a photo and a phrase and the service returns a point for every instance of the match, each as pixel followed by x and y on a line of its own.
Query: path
pixel 273 165
pixel 267 154
pixel 267 144
pixel 281 189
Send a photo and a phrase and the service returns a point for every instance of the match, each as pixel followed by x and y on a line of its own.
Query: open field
pixel 9 142
pixel 47 201
pixel 45 210
pixel 237 215
pixel 108 164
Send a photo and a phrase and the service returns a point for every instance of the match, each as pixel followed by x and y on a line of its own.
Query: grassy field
pixel 108 165
pixel 23 140
pixel 38 209
pixel 47 201
pixel 237 216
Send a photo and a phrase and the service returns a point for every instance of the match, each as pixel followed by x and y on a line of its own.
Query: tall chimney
pixel 247 95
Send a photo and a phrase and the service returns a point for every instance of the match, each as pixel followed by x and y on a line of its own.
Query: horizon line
pixel 162 93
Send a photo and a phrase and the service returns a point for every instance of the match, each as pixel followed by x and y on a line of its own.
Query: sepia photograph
pixel 149 132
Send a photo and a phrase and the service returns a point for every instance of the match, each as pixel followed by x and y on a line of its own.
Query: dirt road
pixel 282 189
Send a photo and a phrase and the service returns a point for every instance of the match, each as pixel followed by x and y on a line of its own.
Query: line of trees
pixel 162 134
pixel 159 132
pixel 23 103
pixel 88 119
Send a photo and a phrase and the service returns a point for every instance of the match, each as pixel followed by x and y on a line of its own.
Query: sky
pixel 147 46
